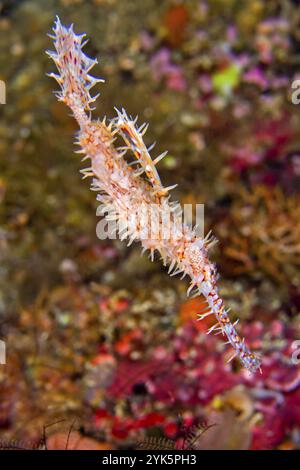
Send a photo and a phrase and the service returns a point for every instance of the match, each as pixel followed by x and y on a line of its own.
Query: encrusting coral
pixel 128 195
pixel 262 234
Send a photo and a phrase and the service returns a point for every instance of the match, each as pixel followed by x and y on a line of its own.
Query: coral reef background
pixel 99 339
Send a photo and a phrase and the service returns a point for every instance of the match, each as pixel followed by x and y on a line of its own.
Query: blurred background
pixel 102 345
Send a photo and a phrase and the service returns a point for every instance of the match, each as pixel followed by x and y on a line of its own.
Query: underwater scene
pixel 150 235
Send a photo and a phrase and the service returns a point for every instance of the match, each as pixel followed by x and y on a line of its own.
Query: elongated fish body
pixel 125 189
